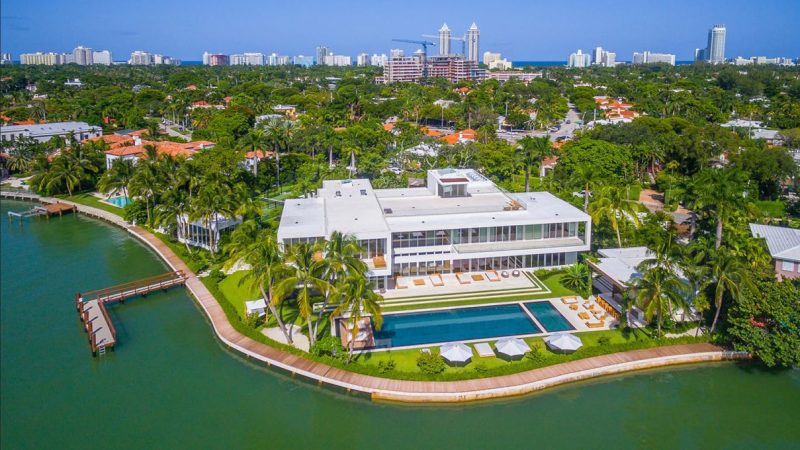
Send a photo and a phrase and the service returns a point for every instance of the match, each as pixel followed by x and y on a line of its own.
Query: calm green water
pixel 170 385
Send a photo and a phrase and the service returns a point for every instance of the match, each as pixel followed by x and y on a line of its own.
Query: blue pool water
pixel 119 202
pixel 549 317
pixel 459 324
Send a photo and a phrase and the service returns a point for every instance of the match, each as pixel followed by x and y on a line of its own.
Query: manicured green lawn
pixel 237 292
pixel 91 200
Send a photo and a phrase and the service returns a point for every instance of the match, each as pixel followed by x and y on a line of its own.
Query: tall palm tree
pixel 728 274
pixel 260 250
pixel 304 276
pixel 721 192
pixel 213 201
pixel 62 173
pixel 340 257
pixel 533 153
pixel 118 177
pixel 658 292
pixel 356 298
pixel 587 178
pixel 613 205
pixel 145 184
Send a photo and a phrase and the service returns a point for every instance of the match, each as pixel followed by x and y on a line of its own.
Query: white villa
pixel 461 222
pixel 205 234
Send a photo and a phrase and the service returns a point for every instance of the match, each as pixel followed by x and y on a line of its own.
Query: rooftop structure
pixel 784 247
pixel 46 131
pixel 460 222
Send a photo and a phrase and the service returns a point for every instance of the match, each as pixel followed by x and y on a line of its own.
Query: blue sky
pixel 521 30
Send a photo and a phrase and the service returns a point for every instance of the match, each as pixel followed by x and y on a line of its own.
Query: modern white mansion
pixel 460 222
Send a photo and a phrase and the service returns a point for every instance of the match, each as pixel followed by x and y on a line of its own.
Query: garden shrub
pixel 603 340
pixel 329 346
pixel 430 364
pixel 536 354
pixel 386 366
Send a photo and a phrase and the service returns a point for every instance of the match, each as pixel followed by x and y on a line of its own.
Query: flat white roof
pixel 45 129
pixel 353 206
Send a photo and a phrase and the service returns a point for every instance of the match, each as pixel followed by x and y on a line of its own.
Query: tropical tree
pixel 576 277
pixel 340 257
pixel 357 299
pixel 63 173
pixel 722 193
pixel 533 151
pixel 258 249
pixel 587 177
pixel 145 184
pixel 613 205
pixel 118 177
pixel 304 275
pixel 728 274
pixel 659 292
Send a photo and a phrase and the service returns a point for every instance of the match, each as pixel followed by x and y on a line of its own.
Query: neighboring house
pixel 784 247
pixel 468 135
pixel 460 222
pixel 133 148
pixel 252 158
pixel 46 131
pixel 205 234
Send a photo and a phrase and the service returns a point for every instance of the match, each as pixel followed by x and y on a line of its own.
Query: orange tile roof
pixel 462 90
pixel 261 154
pixel 113 140
pixel 388 126
pixel 162 147
pixel 433 133
pixel 469 135
pixel 25 122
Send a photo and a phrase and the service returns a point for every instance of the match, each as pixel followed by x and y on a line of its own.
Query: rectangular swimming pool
pixel 459 324
pixel 549 317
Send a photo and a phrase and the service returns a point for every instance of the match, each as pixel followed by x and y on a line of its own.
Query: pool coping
pixel 405 391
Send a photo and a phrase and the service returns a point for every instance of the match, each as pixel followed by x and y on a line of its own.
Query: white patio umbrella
pixel 512 347
pixel 563 342
pixel 456 352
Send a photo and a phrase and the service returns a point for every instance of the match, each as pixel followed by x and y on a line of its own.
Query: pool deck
pixel 421 391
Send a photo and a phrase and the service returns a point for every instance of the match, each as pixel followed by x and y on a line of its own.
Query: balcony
pixel 518 245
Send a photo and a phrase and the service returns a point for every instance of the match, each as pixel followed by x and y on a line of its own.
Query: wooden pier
pixel 92 310
pixel 46 209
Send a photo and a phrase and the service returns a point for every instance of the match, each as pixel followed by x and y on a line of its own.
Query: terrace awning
pixel 513 347
pixel 456 352
pixel 563 342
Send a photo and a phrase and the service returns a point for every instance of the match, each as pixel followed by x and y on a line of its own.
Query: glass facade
pixel 486 234
pixel 482 264
pixel 372 248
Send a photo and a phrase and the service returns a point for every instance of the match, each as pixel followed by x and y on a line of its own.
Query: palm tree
pixel 721 192
pixel 576 277
pixel 657 292
pixel 356 298
pixel 730 274
pixel 260 250
pixel 533 152
pixel 212 201
pixel 612 204
pixel 304 277
pixel 340 257
pixel 587 177
pixel 118 177
pixel 144 183
pixel 63 173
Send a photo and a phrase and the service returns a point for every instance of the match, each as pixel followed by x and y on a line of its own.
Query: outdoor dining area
pixel 589 311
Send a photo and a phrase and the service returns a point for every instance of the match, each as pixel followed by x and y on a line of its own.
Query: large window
pixel 486 234
pixel 372 247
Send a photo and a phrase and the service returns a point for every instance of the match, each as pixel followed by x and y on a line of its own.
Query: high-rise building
pixel 362 59
pixel 338 60
pixel 496 61
pixel 278 60
pixel 140 58
pixel 5 58
pixel 597 55
pixel 304 61
pixel 411 69
pixel 378 60
pixel 217 59
pixel 39 58
pixel 653 58
pixel 396 53
pixel 579 59
pixel 444 40
pixel 715 51
pixel 83 56
pixel 473 43
pixel 609 59
pixel 206 58
pixel 322 52
pixel 102 57
pixel 247 59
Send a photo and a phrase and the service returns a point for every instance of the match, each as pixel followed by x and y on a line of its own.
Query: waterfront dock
pixel 92 310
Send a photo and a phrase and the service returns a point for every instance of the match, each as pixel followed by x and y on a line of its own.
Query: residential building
pixel 83 56
pixel 338 60
pixel 715 50
pixel 739 61
pixel 218 59
pixel 603 58
pixel 206 58
pixel 205 233
pixel 495 61
pixel 597 55
pixel 444 41
pixel 74 82
pixel 39 58
pixel 5 58
pixel 102 57
pixel 579 59
pixel 378 60
pixel 411 69
pixel 473 43
pixel 402 69
pixel 140 58
pixel 303 61
pixel 461 222
pixel 46 131
pixel 247 59
pixel 653 58
pixel 506 75
pixel 278 60
pixel 396 53
pixel 322 52
pixel 784 247
pixel 131 147
pixel 362 59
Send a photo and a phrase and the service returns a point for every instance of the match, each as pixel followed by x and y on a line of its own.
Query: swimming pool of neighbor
pixel 119 202
pixel 549 317
pixel 464 324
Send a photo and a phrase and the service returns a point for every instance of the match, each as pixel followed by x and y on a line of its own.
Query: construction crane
pixel 463 40
pixel 424 45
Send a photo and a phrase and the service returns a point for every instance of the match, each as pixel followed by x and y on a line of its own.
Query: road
pixel 566 130
pixel 171 128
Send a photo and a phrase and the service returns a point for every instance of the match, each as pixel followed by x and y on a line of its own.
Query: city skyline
pixel 763 29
